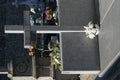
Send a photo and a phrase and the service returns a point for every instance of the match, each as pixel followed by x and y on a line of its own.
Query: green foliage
pixel 55 54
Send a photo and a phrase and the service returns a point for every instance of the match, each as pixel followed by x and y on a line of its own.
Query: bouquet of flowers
pixel 91 30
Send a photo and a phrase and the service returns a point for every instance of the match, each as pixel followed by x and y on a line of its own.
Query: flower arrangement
pixel 32 48
pixel 91 30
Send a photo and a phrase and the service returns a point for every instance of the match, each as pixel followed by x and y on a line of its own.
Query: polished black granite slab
pixel 79 53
